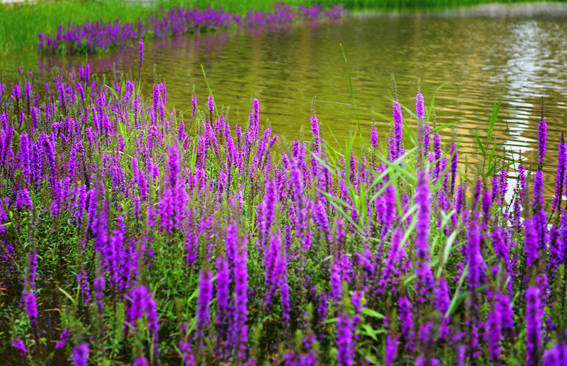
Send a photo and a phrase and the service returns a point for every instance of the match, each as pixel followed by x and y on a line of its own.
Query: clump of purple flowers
pixel 99 35
pixel 207 236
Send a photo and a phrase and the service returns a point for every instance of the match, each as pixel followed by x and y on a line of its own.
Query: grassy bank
pixel 20 24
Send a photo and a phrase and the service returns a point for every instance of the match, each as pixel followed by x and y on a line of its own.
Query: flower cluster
pixel 214 241
pixel 98 36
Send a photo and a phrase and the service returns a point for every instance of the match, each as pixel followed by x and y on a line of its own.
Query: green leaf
pixel 67 295
pixel 372 313
pixel 459 297
pixel 493 118
pixel 442 127
pixel 480 145
pixel 369 331
pixel 447 250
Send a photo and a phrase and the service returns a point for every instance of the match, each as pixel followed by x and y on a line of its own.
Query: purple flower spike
pixel 20 346
pixel 556 356
pixel 534 318
pixel 81 355
pixel 222 285
pixel 140 55
pixel 425 279
pixel 31 306
pixel 419 107
pixel 205 296
pixel 194 105
pixel 240 315
pixel 397 145
pixel 560 180
pixel 374 137
pixel 541 141
pixel 63 338
pixel 345 343
pixel 141 361
pixel 173 165
pixel 391 349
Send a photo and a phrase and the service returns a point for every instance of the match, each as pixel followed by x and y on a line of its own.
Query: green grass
pixel 20 24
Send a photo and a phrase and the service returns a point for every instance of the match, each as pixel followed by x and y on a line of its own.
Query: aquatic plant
pixel 157 239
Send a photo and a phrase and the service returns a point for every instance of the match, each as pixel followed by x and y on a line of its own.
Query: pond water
pixel 297 70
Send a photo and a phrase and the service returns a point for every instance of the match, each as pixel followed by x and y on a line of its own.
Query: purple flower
pixel 486 202
pixel 396 145
pixel 560 180
pixel 521 194
pixel 83 280
pixel 345 342
pixel 437 154
pixel 316 133
pixel 504 308
pixel 419 107
pixel 336 282
pixel 240 316
pixel 531 246
pixel 16 92
pixel 186 351
pixel 541 141
pixel 425 279
pixel 422 361
pixel 493 328
pixel 534 319
pixel 140 302
pixel 374 137
pixel 81 355
pixel 222 283
pixel 405 312
pixel 391 348
pixel 141 50
pixel 99 283
pixel 205 296
pixel 556 356
pixel 32 270
pixel 211 104
pixel 267 214
pixel 315 126
pixel 442 301
pixel 394 256
pixel 423 203
pixel 140 55
pixel 63 338
pixel 321 219
pixel 284 291
pixel 194 105
pixel 20 346
pixel 454 166
pixel 173 165
pixel 474 258
pixel 31 306
pixel 141 361
pixel 538 203
pixel 427 340
pixel 461 355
